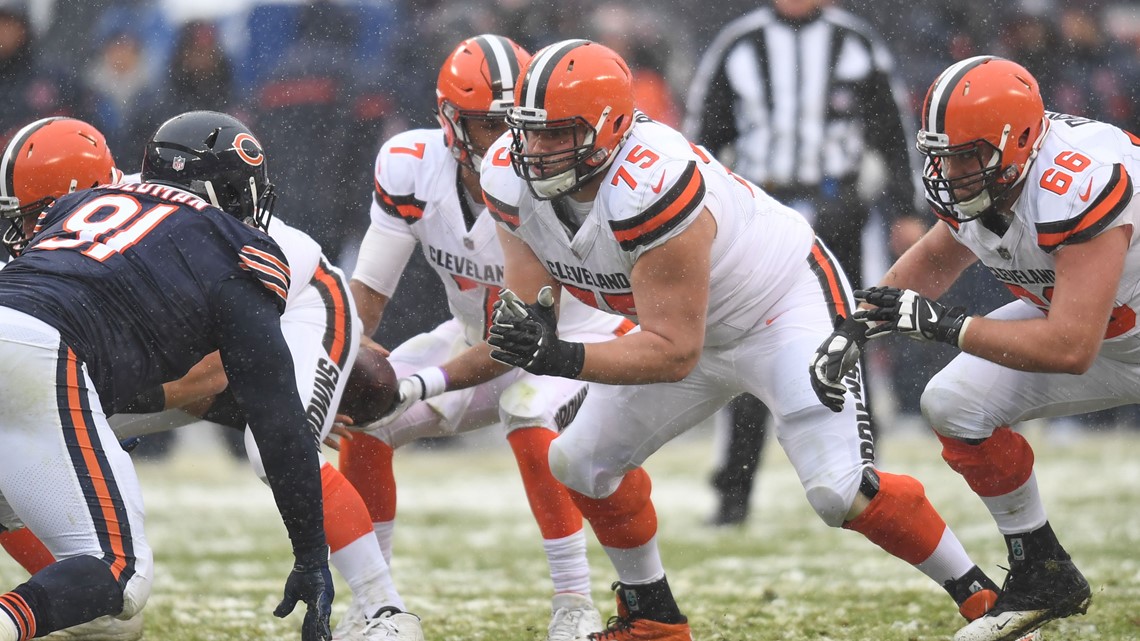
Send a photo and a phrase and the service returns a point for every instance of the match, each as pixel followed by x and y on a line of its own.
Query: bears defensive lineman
pixel 119 289
pixel 732 294
pixel 427 191
pixel 1046 202
pixel 319 325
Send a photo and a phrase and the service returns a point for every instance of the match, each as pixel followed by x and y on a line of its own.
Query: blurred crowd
pixel 325 82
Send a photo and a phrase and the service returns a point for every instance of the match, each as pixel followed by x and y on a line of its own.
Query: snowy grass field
pixel 469 561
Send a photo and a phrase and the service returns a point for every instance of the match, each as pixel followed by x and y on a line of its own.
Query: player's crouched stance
pixel 103 277
pixel 1046 202
pixel 733 293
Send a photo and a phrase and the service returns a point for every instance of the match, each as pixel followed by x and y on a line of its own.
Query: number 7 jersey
pixel 1081 185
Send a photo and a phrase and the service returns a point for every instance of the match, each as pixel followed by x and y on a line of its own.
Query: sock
pixel 635 565
pixel 550 501
pixel 346 517
pixel 569 569
pixel 900 520
pixel 367 574
pixel 26 549
pixel 384 531
pixel 366 462
pixel 355 551
pixel 62 595
pixel 998 465
pixel 624 519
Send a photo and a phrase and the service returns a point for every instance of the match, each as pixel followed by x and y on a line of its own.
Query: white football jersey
pixel 1079 186
pixel 653 191
pixel 418 193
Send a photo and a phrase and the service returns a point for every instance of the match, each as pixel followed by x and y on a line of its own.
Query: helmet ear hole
pixel 1023 139
pixel 618 123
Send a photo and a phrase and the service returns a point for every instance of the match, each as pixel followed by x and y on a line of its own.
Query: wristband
pixel 962 331
pixel 434 381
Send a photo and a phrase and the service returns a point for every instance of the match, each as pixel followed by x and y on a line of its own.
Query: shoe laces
pixel 382 621
pixel 564 626
pixel 616 627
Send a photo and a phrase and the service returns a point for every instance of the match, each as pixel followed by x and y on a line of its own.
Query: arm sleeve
pixel 710 118
pixel 890 131
pixel 384 253
pixel 260 370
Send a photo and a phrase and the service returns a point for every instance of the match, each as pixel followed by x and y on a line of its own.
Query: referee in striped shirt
pixel 792 96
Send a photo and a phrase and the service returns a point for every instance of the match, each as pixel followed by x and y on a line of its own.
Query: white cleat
pixel 573 617
pixel 105 628
pixel 394 624
pixel 351 626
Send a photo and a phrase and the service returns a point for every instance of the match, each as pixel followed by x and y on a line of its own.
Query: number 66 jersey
pixel 1080 185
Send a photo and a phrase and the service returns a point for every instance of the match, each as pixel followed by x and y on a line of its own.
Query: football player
pixel 319 324
pixel 732 293
pixel 1046 202
pixel 427 192
pixel 116 289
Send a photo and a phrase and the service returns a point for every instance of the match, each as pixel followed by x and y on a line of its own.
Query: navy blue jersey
pixel 126 274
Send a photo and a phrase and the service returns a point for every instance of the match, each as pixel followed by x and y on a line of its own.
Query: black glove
pixel 907 312
pixel 837 356
pixel 526 336
pixel 311 582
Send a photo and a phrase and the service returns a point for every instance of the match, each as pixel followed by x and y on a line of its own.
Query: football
pixel 371 388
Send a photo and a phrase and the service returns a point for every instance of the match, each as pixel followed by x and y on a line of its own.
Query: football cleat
pixel 392 623
pixel 1035 593
pixel 573 617
pixel 351 624
pixel 105 628
pixel 630 629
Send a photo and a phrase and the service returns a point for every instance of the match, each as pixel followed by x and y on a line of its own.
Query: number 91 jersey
pixel 656 187
pixel 1080 186
pixel 127 273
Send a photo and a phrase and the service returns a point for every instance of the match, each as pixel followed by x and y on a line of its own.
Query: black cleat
pixel 1035 593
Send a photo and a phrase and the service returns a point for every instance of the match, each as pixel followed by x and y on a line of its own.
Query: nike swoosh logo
pixel 660 183
pixel 933 316
pixel 1088 192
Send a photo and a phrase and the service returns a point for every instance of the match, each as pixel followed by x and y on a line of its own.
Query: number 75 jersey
pixel 656 187
pixel 1081 185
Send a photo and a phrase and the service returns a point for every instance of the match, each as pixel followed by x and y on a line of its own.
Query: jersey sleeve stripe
pixel 502 212
pixel 269 258
pixel 826 271
pixel 408 208
pixel 268 272
pixel 1109 204
pixel 670 210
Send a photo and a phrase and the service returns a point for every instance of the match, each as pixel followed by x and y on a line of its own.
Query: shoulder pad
pixel 399 165
pixel 502 189
pixel 647 203
pixel 1091 204
pixel 266 262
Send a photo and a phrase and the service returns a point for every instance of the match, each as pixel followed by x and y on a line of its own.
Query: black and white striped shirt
pixel 800 101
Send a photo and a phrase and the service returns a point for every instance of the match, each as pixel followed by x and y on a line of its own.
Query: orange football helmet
pixel 983 121
pixel 45 160
pixel 477 81
pixel 579 91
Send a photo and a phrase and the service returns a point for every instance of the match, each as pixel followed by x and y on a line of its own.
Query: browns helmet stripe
pixel 538 74
pixel 502 65
pixel 8 164
pixel 934 111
